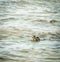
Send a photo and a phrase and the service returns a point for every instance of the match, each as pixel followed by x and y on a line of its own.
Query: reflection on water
pixel 21 19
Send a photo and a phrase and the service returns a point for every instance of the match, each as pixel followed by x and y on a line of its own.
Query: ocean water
pixel 19 20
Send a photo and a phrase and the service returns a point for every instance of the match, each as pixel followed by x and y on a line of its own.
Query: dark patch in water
pixel 53 58
pixel 24 51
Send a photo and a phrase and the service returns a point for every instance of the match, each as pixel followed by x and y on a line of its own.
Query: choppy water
pixel 19 20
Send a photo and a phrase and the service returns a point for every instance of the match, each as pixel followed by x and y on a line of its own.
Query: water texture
pixel 19 20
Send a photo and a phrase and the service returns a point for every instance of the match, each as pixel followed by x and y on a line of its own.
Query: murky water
pixel 19 20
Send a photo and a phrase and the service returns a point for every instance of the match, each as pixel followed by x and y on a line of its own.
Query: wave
pixel 19 33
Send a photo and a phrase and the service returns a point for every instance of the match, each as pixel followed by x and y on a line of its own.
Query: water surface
pixel 19 20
